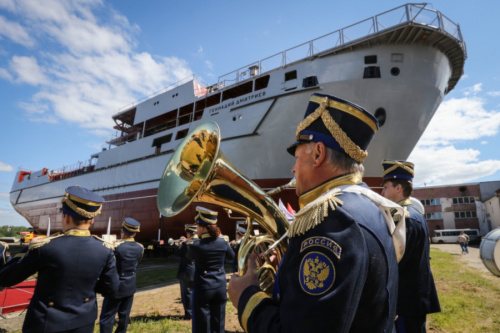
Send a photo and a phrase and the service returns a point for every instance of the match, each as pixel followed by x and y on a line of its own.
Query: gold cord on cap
pixel 351 149
pixel 79 210
pixel 396 165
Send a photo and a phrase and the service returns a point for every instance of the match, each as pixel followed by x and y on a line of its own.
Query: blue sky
pixel 67 66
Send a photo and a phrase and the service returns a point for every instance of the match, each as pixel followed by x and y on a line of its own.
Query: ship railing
pixel 72 170
pixel 413 13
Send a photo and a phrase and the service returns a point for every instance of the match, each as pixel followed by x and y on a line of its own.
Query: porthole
pixel 381 116
pixel 395 71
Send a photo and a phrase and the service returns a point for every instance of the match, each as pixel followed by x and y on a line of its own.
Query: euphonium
pixel 199 172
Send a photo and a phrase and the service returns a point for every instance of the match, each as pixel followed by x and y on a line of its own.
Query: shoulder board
pixel 39 242
pixel 397 217
pixel 140 244
pixel 4 244
pixel 104 243
pixel 314 213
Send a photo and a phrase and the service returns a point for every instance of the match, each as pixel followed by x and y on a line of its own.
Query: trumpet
pixel 174 241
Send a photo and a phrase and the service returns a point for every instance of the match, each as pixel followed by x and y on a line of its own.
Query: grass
pixel 469 301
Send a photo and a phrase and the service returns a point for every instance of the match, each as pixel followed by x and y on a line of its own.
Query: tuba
pixel 198 172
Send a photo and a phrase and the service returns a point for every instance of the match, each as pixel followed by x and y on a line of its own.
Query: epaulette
pixel 105 243
pixel 397 217
pixel 314 213
pixel 36 243
pixel 140 244
pixel 5 245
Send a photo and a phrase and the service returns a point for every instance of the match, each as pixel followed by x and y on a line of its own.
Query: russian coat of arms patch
pixel 317 273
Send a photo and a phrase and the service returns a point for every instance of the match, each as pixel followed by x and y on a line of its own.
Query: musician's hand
pixel 238 284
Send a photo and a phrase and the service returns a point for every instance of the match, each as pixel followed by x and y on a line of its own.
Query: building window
pixel 433 216
pixel 431 202
pixel 463 200
pixel 465 215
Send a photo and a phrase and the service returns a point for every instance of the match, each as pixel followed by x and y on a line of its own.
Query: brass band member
pixel 209 254
pixel 185 274
pixel 339 272
pixel 128 253
pixel 417 295
pixel 235 245
pixel 70 266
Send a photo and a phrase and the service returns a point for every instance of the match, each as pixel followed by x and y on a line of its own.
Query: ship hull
pixel 411 76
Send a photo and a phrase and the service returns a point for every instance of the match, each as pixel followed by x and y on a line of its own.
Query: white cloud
pixel 460 119
pixel 494 93
pixel 15 32
pixel 448 165
pixel 88 68
pixel 6 167
pixel 474 90
pixel 27 70
pixel 437 160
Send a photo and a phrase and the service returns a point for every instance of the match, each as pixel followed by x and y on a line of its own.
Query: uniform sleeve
pixel 229 252
pixel 321 280
pixel 18 270
pixel 109 281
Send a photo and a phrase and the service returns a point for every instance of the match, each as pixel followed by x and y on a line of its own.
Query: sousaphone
pixel 198 172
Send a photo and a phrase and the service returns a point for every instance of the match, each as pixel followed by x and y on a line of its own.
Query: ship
pixel 399 65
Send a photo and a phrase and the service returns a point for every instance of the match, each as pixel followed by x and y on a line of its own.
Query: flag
pixel 289 216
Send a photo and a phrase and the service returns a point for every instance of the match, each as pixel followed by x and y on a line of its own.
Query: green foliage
pixel 12 231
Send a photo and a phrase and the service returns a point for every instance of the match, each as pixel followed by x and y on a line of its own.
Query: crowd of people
pixel 356 260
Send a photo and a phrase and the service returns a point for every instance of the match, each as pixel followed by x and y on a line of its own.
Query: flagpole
pixel 109 226
pixel 48 228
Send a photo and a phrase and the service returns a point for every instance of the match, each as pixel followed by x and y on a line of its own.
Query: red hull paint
pixel 142 206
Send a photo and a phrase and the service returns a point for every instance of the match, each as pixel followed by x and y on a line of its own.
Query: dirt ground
pixel 165 301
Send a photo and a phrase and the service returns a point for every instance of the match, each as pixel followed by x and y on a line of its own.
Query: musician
pixel 235 245
pixel 209 254
pixel 417 295
pixel 70 266
pixel 185 274
pixel 128 253
pixel 339 272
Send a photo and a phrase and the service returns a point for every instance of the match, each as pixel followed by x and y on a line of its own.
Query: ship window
pixel 161 140
pixel 395 71
pixel 261 82
pixel 160 123
pixel 181 134
pixel 371 59
pixel 371 72
pixel 237 91
pixel 213 100
pixel 397 57
pixel 290 75
pixel 310 81
pixel 185 114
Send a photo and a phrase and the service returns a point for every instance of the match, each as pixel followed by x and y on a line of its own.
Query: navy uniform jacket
pixel 69 267
pixel 209 254
pixel 186 266
pixel 338 276
pixel 128 254
pixel 417 291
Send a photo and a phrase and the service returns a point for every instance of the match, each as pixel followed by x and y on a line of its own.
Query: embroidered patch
pixel 317 273
pixel 325 242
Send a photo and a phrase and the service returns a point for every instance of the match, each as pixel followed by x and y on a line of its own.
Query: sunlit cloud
pixel 88 68
pixel 6 167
